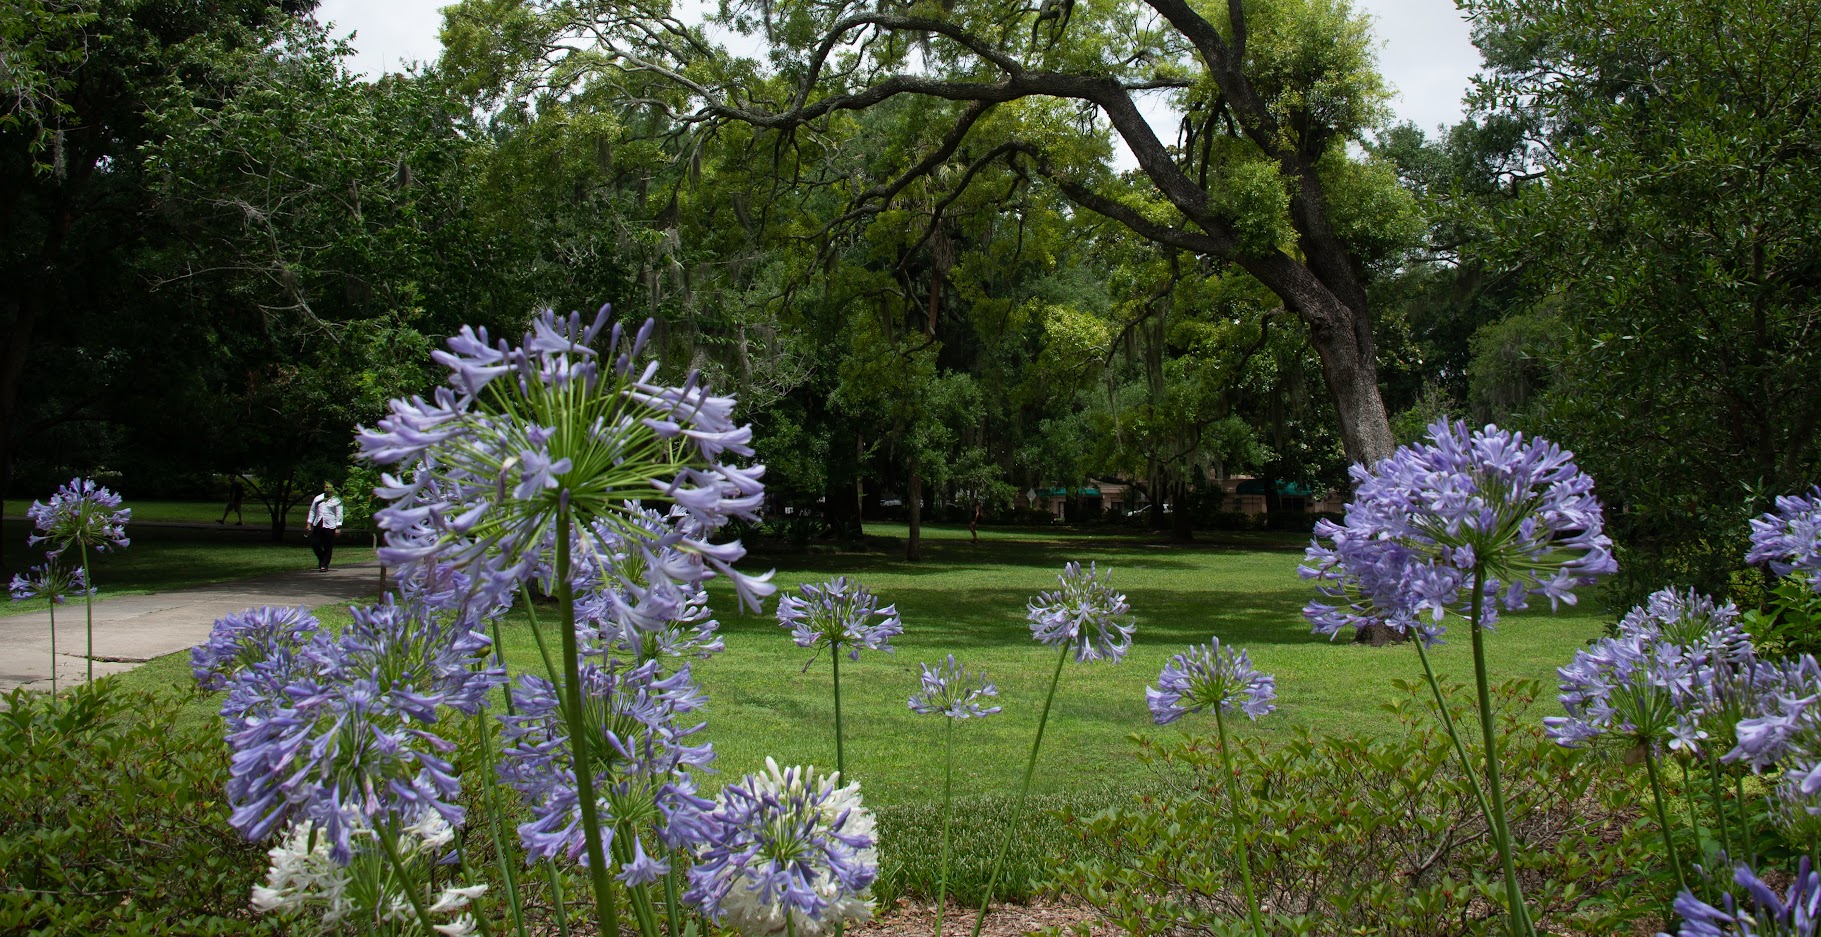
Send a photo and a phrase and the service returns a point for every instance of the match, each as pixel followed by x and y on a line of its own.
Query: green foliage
pixel 1373 835
pixel 113 820
pixel 1789 623
pixel 1674 250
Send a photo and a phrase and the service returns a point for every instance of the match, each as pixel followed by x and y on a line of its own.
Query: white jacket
pixel 325 510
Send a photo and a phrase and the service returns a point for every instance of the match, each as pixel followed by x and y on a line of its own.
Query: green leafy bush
pixel 1371 836
pixel 112 819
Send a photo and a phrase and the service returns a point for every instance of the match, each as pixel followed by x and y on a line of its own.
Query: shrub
pixel 1368 835
pixel 112 819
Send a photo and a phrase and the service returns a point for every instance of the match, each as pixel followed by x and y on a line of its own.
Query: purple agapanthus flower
pixel 796 853
pixel 487 464
pixel 640 601
pixel 338 733
pixel 50 580
pixel 1795 913
pixel 839 614
pixel 1786 725
pixel 1425 519
pixel 1626 688
pixel 249 638
pixel 641 772
pixel 951 691
pixel 1209 676
pixel 1085 613
pixel 1789 538
pixel 81 513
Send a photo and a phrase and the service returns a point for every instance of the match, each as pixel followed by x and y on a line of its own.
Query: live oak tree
pixel 1269 93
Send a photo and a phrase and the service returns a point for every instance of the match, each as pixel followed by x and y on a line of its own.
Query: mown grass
pixel 253 513
pixel 162 559
pixel 969 598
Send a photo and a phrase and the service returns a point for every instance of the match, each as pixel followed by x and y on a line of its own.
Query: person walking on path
pixel 325 523
pixel 236 492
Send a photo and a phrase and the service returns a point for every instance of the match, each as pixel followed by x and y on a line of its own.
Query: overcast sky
pixel 1425 50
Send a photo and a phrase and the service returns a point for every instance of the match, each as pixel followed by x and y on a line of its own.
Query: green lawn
pixel 970 599
pixel 253 513
pixel 161 559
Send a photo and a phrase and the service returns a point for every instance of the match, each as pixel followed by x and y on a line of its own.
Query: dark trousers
pixel 322 540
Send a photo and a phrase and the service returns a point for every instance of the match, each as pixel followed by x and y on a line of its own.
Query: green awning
pixel 1256 486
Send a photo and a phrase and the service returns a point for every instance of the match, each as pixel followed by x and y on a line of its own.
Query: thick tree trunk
pixel 859 487
pixel 913 547
pixel 1341 334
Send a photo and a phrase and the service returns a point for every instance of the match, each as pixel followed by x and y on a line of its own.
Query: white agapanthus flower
pixel 303 879
pixel 798 855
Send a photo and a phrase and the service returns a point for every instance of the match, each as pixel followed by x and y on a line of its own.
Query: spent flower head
pixel 796 853
pixel 1789 538
pixel 641 756
pixel 1084 613
pixel 523 433
pixel 839 614
pixel 50 580
pixel 1424 521
pixel 948 690
pixel 1209 676
pixel 81 513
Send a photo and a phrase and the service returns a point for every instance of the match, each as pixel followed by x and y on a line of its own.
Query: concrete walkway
pixel 132 629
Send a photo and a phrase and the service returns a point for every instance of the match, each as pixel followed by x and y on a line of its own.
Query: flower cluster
pixel 50 580
pixel 1085 613
pixel 366 893
pixel 1207 676
pixel 639 597
pixel 1789 539
pixel 1427 520
pixel 796 855
pixel 948 690
pixel 81 513
pixel 641 759
pixel 1676 660
pixel 256 638
pixel 840 615
pixel 1795 913
pixel 524 434
pixel 336 734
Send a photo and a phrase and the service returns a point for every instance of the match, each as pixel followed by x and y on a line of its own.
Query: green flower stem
pixel 1656 788
pixel 948 797
pixel 673 903
pixel 1030 768
pixel 1514 897
pixel 557 901
pixel 1718 792
pixel 537 637
pixel 53 610
pixel 1745 824
pixel 490 783
pixel 1240 834
pixel 606 908
pixel 388 840
pixel 88 606
pixel 638 896
pixel 1688 797
pixel 468 875
pixel 1460 751
pixel 834 648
